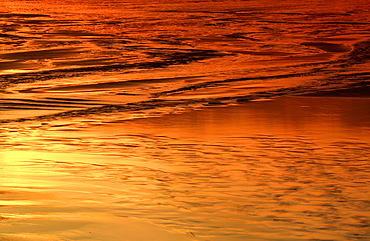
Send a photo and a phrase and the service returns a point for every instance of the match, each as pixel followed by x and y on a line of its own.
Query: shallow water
pixel 186 120
pixel 289 169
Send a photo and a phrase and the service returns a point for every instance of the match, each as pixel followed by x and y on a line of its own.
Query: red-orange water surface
pixel 184 120
pixel 289 169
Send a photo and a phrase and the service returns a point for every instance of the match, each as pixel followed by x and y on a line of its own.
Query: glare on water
pixel 184 120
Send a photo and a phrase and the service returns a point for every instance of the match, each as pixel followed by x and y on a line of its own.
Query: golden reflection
pixel 237 171
pixel 184 120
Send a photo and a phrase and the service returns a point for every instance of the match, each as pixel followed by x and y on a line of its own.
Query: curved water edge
pixel 208 55
pixel 335 79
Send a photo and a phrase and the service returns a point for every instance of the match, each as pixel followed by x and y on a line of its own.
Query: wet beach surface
pixel 229 120
pixel 289 169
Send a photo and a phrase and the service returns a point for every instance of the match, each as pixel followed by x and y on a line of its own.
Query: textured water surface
pixel 184 120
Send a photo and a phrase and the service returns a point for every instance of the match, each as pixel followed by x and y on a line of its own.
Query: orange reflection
pixel 119 117
pixel 236 171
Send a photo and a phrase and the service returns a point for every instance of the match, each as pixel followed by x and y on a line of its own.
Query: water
pixel 184 120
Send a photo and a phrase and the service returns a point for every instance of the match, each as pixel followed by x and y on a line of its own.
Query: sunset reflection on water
pixel 184 120
pixel 262 171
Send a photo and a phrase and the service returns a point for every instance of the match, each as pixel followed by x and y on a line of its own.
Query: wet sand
pixel 294 168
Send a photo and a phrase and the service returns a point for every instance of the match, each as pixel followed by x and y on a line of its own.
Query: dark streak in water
pixel 175 58
pixel 22 15
pixel 60 101
pixel 328 47
pixel 360 54
pixel 41 54
pixel 361 89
